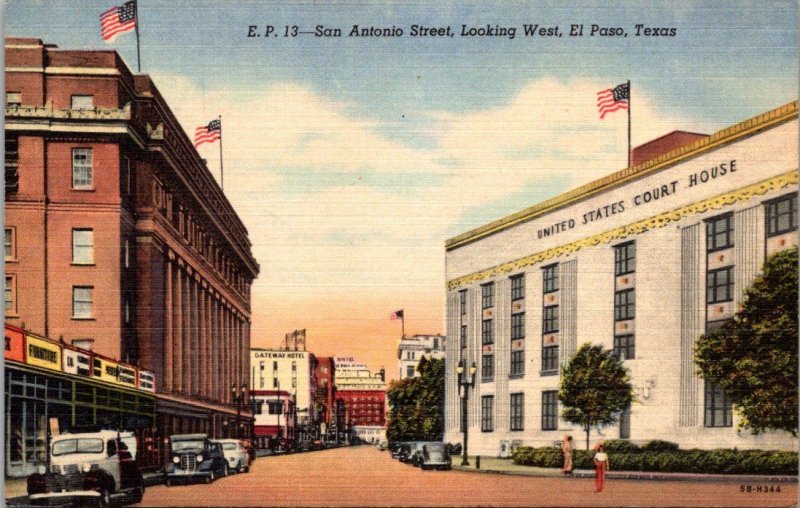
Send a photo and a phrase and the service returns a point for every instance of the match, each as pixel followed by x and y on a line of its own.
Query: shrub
pixel 620 446
pixel 658 445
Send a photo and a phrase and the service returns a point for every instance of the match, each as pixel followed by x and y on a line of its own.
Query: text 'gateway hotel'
pixel 643 261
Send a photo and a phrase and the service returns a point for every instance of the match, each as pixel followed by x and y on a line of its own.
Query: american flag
pixel 612 99
pixel 117 20
pixel 398 314
pixel 208 133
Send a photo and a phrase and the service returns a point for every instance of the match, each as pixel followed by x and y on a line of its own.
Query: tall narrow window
pixel 624 305
pixel 517 363
pixel 487 331
pixel 487 413
pixel 719 232
pixel 718 410
pixel 518 326
pixel 719 285
pixel 487 295
pixel 10 290
pixel 550 410
pixel 82 246
pixel 625 258
pixel 10 244
pixel 462 300
pixel 487 367
pixel 517 411
pixel 550 278
pixel 517 287
pixel 550 319
pixel 463 336
pixel 550 359
pixel 82 302
pixel 781 215
pixel 82 177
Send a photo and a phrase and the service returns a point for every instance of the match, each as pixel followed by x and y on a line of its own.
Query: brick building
pixel 118 237
pixel 325 395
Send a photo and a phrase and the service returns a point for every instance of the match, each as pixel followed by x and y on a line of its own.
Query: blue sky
pixel 351 160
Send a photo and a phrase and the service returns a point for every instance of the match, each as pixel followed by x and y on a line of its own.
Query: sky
pixel 351 160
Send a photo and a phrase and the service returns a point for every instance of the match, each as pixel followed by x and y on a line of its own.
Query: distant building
pixel 412 349
pixel 325 396
pixel 275 417
pixel 360 396
pixel 291 372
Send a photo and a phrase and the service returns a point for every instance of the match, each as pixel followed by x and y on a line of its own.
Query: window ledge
pixel 516 376
pixel 82 264
pixel 83 318
pixel 78 189
pixel 548 372
pixel 487 380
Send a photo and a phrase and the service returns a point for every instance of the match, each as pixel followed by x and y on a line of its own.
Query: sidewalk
pixel 493 465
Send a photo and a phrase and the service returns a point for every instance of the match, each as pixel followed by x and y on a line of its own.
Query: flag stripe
pixel 208 133
pixel 613 99
pixel 117 20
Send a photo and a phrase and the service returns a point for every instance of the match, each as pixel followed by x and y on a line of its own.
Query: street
pixel 364 476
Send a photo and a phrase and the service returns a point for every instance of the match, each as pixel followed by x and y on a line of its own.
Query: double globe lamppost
pixel 466 380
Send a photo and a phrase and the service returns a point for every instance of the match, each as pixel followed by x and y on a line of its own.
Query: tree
pixel 416 405
pixel 753 357
pixel 595 388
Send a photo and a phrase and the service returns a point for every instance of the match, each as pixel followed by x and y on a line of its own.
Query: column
pixel 168 336
pixel 187 336
pixel 568 278
pixel 177 348
pixel 502 355
pixel 692 319
pixel 203 330
pixel 474 314
pixel 452 348
pixel 195 356
pixel 748 247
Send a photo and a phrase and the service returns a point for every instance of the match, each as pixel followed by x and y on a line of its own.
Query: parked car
pixel 91 468
pixel 415 455
pixel 396 448
pixel 317 445
pixel 382 445
pixel 432 455
pixel 407 451
pixel 236 455
pixel 192 457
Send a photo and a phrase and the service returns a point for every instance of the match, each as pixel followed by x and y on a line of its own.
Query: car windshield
pixel 436 447
pixel 68 446
pixel 229 446
pixel 186 445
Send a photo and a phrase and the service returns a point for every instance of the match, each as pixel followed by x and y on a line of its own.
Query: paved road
pixel 364 476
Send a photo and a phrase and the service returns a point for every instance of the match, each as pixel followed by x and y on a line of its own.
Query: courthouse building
pixel 117 237
pixel 642 261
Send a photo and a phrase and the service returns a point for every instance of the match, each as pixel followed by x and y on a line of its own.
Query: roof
pixel 726 136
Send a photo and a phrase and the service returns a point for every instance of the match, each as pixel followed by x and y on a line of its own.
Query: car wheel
pixel 168 483
pixel 105 498
pixel 246 469
pixel 138 493
pixel 210 478
pixel 225 470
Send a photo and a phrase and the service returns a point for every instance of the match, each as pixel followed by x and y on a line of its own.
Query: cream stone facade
pixel 642 261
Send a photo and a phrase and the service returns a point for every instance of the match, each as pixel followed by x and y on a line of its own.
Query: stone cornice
pixel 728 135
pixel 635 228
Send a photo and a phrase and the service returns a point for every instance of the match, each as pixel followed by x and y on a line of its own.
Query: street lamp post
pixel 466 380
pixel 238 396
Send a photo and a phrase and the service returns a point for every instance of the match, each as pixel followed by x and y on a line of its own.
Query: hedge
pixel 720 461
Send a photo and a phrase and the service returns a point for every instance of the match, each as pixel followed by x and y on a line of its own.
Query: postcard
pixel 385 253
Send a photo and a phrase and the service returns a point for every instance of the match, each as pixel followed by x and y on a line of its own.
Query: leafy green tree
pixel 416 405
pixel 595 388
pixel 753 357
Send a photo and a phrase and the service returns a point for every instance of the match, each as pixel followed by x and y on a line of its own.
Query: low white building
pixel 412 349
pixel 286 371
pixel 642 261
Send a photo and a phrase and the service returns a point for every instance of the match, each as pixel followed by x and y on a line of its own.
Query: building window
pixel 625 258
pixel 718 408
pixel 127 253
pixel 13 99
pixel 82 168
pixel 410 371
pixel 719 285
pixel 517 287
pixel 436 343
pixel 487 295
pixel 625 347
pixel 719 233
pixel 11 295
pixel 550 319
pixel 274 366
pixel 275 408
pixel 781 215
pixel 517 363
pixel 550 410
pixel 487 413
pixel 82 102
pixel 463 336
pixel 275 383
pixel 82 302
pixel 550 278
pixel 10 244
pixel 487 367
pixel 462 298
pixel 517 411
pixel 624 305
pixel 487 331
pixel 550 358
pixel 518 326
pixel 82 246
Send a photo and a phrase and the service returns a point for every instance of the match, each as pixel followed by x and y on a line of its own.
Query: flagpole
pixel 403 323
pixel 221 172
pixel 138 55
pixel 629 123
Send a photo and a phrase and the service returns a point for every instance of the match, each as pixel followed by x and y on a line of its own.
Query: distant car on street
pixel 396 448
pixel 192 457
pixel 236 455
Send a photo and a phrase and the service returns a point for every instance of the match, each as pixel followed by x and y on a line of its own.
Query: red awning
pixel 265 430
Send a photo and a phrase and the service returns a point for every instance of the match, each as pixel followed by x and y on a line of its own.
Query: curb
pixel 642 475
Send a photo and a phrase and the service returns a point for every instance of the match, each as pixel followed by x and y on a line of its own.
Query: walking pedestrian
pixel 601 464
pixel 566 449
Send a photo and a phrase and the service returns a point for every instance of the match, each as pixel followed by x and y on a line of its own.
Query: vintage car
pixel 432 455
pixel 194 457
pixel 396 449
pixel 236 455
pixel 91 468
